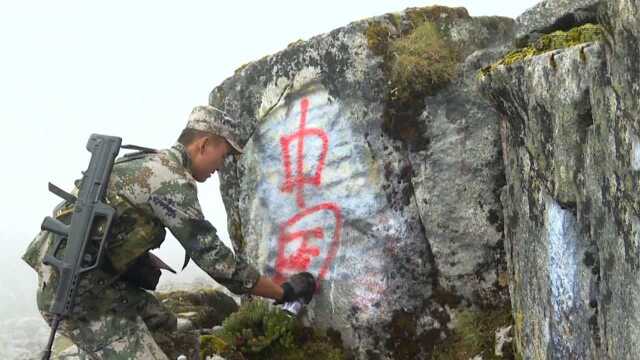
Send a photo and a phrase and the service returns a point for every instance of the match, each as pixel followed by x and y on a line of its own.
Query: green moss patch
pixel 474 334
pixel 549 42
pixel 418 60
pixel 378 38
pixel 261 331
pixel 421 63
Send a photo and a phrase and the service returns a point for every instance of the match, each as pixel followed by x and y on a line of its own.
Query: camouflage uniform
pixel 112 318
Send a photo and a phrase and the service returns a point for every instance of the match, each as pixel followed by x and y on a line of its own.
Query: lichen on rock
pixel 549 42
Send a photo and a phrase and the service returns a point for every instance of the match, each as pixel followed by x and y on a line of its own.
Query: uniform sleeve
pixel 176 204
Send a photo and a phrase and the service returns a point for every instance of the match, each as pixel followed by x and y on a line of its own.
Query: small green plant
pixel 420 62
pixel 261 331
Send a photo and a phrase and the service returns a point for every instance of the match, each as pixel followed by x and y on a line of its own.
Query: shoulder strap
pixel 140 152
pixel 138 148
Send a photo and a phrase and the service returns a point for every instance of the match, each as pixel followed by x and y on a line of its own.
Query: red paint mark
pixel 298 182
pixel 306 252
pixel 301 258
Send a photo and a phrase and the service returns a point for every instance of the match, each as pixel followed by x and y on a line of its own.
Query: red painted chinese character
pixel 301 258
pixel 299 181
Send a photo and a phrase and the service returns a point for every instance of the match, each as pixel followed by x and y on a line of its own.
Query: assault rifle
pixel 89 210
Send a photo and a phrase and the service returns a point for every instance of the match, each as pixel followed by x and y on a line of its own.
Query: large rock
pixel 205 308
pixel 546 120
pixel 571 205
pixel 392 201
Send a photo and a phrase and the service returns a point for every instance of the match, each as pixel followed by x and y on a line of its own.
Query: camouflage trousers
pixel 118 321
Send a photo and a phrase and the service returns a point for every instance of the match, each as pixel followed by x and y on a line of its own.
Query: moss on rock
pixel 418 59
pixel 549 42
pixel 422 62
pixel 435 13
pixel 378 38
pixel 261 331
pixel 474 334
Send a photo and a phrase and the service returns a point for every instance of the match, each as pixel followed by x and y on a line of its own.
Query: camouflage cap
pixel 213 120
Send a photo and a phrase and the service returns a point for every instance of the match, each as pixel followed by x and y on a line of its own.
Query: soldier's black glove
pixel 299 286
pixel 145 271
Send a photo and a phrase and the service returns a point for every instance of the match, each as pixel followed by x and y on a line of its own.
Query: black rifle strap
pixel 138 148
pixel 63 194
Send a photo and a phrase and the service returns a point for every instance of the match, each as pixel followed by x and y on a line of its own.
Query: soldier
pixel 114 317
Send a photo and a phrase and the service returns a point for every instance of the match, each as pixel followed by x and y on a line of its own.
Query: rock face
pixel 551 15
pixel 570 131
pixel 391 201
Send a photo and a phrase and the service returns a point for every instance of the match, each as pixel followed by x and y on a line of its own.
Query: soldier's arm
pixel 176 204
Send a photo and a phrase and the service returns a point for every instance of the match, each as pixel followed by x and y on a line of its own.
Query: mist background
pixel 133 69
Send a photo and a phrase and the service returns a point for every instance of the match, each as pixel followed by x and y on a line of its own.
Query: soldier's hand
pixel 299 286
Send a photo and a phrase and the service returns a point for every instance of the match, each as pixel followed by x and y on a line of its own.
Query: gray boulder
pixel 386 190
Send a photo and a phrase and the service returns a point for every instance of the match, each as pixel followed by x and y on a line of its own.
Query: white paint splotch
pixel 564 269
pixel 635 152
pixel 562 235
pixel 315 206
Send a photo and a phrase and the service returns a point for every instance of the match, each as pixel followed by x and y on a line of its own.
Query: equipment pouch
pixel 143 273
